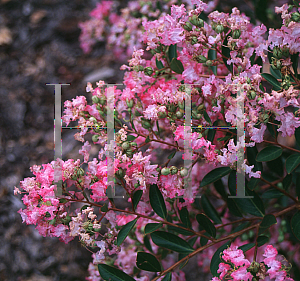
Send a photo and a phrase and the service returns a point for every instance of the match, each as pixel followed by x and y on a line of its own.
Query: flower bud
pixel 136 185
pixel 200 107
pixel 181 105
pixel 148 71
pixel 146 124
pixel 98 107
pixel 236 34
pixel 173 170
pixel 251 95
pixel 295 17
pixel 277 53
pixel 141 68
pixel 265 118
pixel 158 169
pixel 162 114
pixel 259 99
pixel 133 143
pixel 171 107
pixel 102 100
pixel 285 51
pixel 183 172
pixel 80 172
pixel 125 145
pixel 219 28
pixel 129 103
pixel 196 21
pixel 194 40
pixel 209 63
pixel 129 153
pixel 95 99
pixel 93 119
pixel 187 26
pixel 201 59
pixel 95 138
pixel 179 114
pixel 165 171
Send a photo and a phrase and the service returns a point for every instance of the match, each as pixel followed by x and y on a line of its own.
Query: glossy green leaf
pixel 148 262
pixel 136 198
pixel 168 277
pixel 253 182
pixel 177 66
pixel 147 139
pixel 271 194
pixel 206 224
pixel 172 155
pixel 272 80
pixel 180 230
pixel 131 138
pixel 215 175
pixel 267 221
pixel 111 273
pixel 171 241
pixel 253 206
pixel 247 247
pixel 220 188
pixel 125 231
pixel 216 260
pixel 262 239
pixel 251 157
pixel 159 64
pixel 286 182
pixel 292 162
pixel 212 55
pixel 172 52
pixel 295 225
pixel 147 243
pixel 241 227
pixel 269 153
pixel 297 135
pixel 233 208
pixel 209 210
pixel 151 227
pixel 226 53
pixel 298 186
pixel 184 217
pixel 275 72
pixel 207 118
pixel 157 201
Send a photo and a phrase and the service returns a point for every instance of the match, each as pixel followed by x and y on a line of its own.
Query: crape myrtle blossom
pixel 150 138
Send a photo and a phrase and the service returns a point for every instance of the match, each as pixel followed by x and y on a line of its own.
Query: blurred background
pixel 39 44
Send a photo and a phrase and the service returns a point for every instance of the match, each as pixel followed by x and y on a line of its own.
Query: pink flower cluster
pixel 236 267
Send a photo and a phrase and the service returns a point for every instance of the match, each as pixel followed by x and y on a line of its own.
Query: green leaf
pixel 216 260
pixel 211 135
pixel 184 217
pixel 286 182
pixel 272 193
pixel 147 139
pixel 147 243
pixel 159 64
pixel 206 224
pixel 298 186
pixel 295 225
pixel 297 135
pixel 168 277
pixel 184 263
pixel 292 162
pixel 172 52
pixel 272 80
pixel 251 157
pixel 261 240
pixel 207 118
pixel 253 206
pixel 269 153
pixel 180 230
pixel 125 231
pixel 215 175
pixel 276 166
pixel 275 72
pixel 151 227
pixel 241 227
pixel 104 208
pixel 148 262
pixel 253 182
pixel 157 201
pixel 212 55
pixel 247 247
pixel 177 66
pixel 136 198
pixel 172 155
pixel 111 273
pixel 171 241
pixel 267 221
pixel 131 138
pixel 295 59
pixel 209 210
pixel 226 53
pixel 233 208
pixel 220 188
